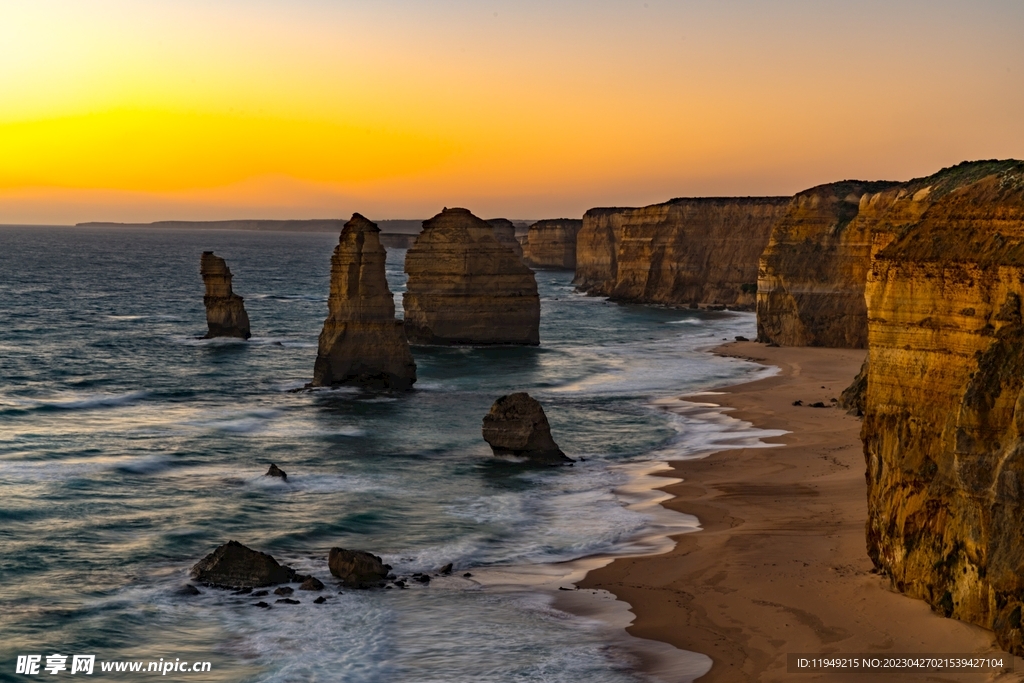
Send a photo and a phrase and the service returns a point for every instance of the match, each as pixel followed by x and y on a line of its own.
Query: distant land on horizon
pixel 390 226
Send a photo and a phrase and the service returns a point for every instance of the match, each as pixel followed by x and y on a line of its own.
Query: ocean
pixel 129 449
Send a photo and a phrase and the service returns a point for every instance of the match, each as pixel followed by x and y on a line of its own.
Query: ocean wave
pixel 86 402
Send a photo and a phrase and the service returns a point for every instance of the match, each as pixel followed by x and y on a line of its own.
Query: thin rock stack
pixel 466 287
pixel 225 312
pixel 362 343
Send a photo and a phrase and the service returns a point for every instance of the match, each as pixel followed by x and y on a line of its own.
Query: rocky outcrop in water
pixel 276 471
pixel 944 412
pixel 232 565
pixel 551 243
pixel 361 343
pixel 466 287
pixel 516 425
pixel 505 231
pixel 225 312
pixel 684 252
pixel 357 568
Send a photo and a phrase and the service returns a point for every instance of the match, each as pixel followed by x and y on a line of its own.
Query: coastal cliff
pixel 944 408
pixel 700 251
pixel 225 311
pixel 466 287
pixel 811 275
pixel 551 243
pixel 361 342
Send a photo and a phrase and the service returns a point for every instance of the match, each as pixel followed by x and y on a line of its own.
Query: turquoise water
pixel 129 449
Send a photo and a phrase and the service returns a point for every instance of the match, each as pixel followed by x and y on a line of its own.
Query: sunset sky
pixel 188 109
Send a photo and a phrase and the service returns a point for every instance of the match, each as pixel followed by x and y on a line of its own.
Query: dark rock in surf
pixel 232 565
pixel 357 568
pixel 517 425
pixel 276 471
pixel 312 584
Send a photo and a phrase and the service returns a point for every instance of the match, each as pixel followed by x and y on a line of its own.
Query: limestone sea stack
pixel 225 312
pixel 517 425
pixel 701 251
pixel 944 408
pixel 362 344
pixel 505 231
pixel 466 287
pixel 551 243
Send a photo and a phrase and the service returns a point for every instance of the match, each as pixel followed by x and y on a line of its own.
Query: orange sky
pixel 190 109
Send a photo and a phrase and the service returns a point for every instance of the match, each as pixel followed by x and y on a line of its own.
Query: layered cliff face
pixel 225 312
pixel 466 287
pixel 812 273
pixel 505 231
pixel 686 251
pixel 551 243
pixel 362 344
pixel 944 409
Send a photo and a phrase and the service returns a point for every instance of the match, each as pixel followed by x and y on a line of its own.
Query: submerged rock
pixel 276 471
pixel 357 568
pixel 225 312
pixel 232 565
pixel 466 287
pixel 362 344
pixel 517 425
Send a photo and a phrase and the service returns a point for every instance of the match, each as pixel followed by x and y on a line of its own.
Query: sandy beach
pixel 780 565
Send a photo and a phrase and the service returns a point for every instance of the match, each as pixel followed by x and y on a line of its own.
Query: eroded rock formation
pixel 225 312
pixel 232 565
pixel 812 273
pixel 357 568
pixel 466 287
pixel 362 343
pixel 505 231
pixel 516 425
pixel 944 412
pixel 686 251
pixel 551 243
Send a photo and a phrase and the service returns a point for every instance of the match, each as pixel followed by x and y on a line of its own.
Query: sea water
pixel 130 448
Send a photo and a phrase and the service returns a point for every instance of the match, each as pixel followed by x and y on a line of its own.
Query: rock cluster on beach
pixel 944 411
pixel 225 312
pixel 701 251
pixel 516 425
pixel 233 565
pixel 551 243
pixel 362 343
pixel 466 287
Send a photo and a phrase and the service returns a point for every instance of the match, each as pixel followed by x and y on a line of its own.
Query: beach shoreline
pixel 780 564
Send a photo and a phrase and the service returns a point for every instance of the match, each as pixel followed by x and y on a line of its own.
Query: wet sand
pixel 780 565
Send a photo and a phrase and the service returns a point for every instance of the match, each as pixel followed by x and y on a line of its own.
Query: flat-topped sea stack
pixel 505 231
pixel 225 312
pixel 466 287
pixel 701 251
pixel 944 407
pixel 362 343
pixel 812 273
pixel 516 425
pixel 551 243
